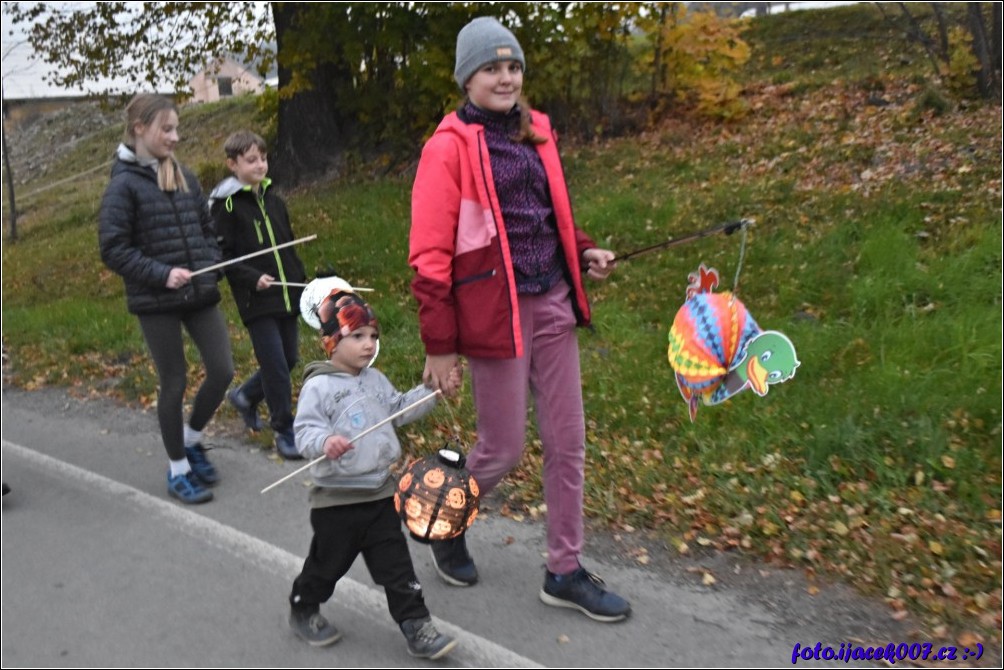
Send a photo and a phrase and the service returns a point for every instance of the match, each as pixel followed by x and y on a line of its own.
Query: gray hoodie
pixel 332 402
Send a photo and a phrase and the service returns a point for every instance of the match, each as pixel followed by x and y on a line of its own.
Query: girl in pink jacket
pixel 499 263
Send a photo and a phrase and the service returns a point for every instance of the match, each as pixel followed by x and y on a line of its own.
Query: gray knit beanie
pixel 484 40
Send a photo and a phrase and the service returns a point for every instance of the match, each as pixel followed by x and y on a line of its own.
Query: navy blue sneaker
pixel 247 411
pixel 201 466
pixel 285 444
pixel 583 591
pixel 452 561
pixel 187 488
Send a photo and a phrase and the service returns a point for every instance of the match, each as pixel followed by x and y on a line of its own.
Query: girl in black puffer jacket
pixel 155 231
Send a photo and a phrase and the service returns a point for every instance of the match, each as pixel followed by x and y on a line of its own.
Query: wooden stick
pixel 365 432
pixel 291 283
pixel 727 228
pixel 253 254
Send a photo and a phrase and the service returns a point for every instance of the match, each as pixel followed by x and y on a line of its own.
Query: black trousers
pixel 341 533
pixel 276 347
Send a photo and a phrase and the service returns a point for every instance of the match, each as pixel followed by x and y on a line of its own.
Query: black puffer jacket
pixel 144 232
pixel 246 223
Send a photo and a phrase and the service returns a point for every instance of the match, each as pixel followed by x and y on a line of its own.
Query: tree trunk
pixel 996 45
pixel 985 74
pixel 311 134
pixel 942 27
pixel 917 32
pixel 10 183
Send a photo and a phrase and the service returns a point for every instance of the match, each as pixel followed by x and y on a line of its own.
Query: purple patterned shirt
pixel 524 198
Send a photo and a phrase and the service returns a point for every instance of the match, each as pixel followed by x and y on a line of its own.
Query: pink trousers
pixel 549 370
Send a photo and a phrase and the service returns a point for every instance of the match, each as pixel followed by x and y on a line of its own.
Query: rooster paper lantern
pixel 436 497
pixel 717 349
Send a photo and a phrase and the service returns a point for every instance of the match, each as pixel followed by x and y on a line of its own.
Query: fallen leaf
pixel 708 579
pixel 969 639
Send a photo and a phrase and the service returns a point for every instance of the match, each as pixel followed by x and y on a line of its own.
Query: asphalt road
pixel 101 569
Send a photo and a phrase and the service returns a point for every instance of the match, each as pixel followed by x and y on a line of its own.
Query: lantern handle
pixel 365 432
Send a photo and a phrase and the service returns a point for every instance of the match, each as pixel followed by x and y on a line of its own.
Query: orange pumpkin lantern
pixel 436 497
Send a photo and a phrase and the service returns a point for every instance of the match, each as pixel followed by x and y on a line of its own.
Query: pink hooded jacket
pixel 464 281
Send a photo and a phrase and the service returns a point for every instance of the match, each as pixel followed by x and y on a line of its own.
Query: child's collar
pixel 262 185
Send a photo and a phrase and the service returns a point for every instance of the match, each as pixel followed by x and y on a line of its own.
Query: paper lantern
pixel 436 497
pixel 717 349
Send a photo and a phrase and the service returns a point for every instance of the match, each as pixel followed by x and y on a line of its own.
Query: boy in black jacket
pixel 251 217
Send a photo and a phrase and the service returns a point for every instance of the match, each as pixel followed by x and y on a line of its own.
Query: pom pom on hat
pixel 484 40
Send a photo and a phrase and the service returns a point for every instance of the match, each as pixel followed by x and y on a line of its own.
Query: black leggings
pixel 162 333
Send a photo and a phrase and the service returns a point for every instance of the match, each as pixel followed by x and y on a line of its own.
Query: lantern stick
pixel 298 284
pixel 727 228
pixel 365 432
pixel 255 253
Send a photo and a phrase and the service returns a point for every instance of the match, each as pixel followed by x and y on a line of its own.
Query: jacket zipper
pixel 278 261
pixel 184 238
pixel 513 309
pixel 474 278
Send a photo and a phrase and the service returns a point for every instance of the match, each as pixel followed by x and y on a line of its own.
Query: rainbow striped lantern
pixel 718 350
pixel 436 497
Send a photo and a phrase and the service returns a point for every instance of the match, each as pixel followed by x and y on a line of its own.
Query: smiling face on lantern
pixel 456 498
pixel 442 529
pixel 413 508
pixel 434 478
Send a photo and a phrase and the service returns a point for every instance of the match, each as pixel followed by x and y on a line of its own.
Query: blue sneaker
pixel 201 466
pixel 583 591
pixel 452 561
pixel 187 488
pixel 247 411
pixel 285 444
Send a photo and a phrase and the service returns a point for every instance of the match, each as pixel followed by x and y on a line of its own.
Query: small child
pixel 251 217
pixel 352 506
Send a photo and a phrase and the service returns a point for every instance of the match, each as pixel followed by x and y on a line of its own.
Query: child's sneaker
pixel 187 488
pixel 424 641
pixel 313 628
pixel 247 411
pixel 285 444
pixel 582 590
pixel 201 466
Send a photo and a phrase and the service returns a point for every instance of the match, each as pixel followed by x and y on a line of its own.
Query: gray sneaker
pixel 424 641
pixel 313 628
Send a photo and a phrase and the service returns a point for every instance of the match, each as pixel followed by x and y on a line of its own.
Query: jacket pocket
pixel 473 278
pixel 484 316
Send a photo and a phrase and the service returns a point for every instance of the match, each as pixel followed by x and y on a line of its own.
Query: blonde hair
pixel 143 110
